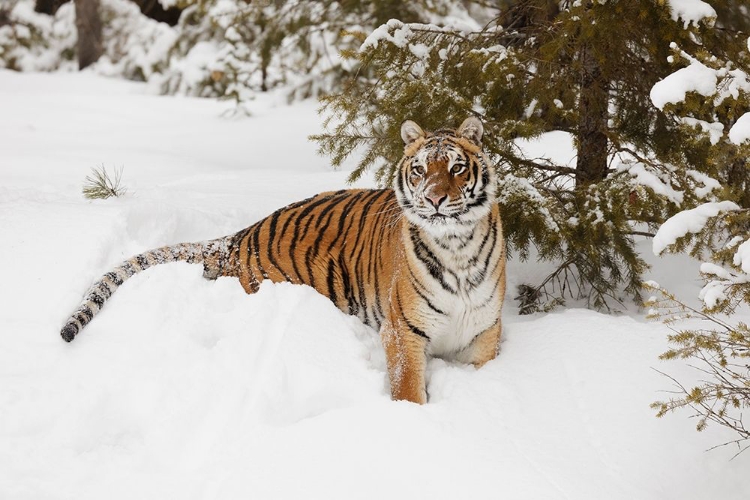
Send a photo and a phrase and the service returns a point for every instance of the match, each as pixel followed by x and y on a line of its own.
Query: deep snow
pixel 185 388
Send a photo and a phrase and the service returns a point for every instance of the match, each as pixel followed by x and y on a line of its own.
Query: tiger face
pixel 444 180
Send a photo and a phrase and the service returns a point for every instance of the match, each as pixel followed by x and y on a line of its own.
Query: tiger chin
pixel 424 262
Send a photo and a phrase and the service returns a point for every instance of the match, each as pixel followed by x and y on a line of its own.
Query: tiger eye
pixel 458 168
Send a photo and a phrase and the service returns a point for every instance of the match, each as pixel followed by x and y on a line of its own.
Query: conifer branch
pixel 100 185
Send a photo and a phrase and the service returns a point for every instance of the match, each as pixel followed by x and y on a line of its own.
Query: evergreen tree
pixel 716 108
pixel 583 67
pixel 133 46
pixel 248 47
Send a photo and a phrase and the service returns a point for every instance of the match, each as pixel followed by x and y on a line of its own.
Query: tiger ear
pixel 410 132
pixel 471 129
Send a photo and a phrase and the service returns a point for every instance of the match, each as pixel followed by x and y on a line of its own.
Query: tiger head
pixel 445 181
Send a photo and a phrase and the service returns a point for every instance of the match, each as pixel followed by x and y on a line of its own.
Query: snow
pixel 694 78
pixel 709 184
pixel 187 388
pixel 740 131
pixel 715 130
pixel 691 11
pixel 688 221
pixel 643 176
pixel 399 38
pixel 742 256
pixel 554 148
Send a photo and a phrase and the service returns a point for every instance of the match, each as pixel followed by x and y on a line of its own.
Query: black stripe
pixel 128 268
pixel 475 175
pixel 492 231
pixel 284 228
pixel 331 282
pixel 400 178
pixel 363 219
pixel 248 244
pixel 329 214
pixel 308 266
pixel 256 249
pixel 269 248
pixel 328 208
pixel 486 263
pixel 411 327
pixel 359 266
pixel 289 220
pixel 114 278
pixel 480 200
pixel 293 243
pixel 469 239
pixel 429 259
pixel 141 259
pixel 87 314
pixel 424 297
pixel 416 330
pixel 350 218
pixel 352 305
pixel 307 211
pixel 500 259
pixel 103 288
pixel 97 299
pixel 340 233
pixel 379 259
pixel 191 254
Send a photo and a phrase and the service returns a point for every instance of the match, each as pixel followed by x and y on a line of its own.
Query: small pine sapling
pixel 720 351
pixel 100 184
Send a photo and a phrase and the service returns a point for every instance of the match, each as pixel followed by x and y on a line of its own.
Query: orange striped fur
pixel 423 262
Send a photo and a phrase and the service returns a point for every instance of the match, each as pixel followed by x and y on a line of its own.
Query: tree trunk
pixel 4 16
pixel 48 6
pixel 591 166
pixel 89 25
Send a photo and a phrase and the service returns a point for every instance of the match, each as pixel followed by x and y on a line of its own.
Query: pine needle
pixel 100 185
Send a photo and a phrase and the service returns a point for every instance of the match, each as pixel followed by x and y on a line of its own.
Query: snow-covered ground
pixel 190 389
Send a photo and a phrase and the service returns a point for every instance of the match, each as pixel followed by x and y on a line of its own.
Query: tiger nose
pixel 436 199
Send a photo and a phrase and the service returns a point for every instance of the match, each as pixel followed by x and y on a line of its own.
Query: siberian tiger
pixel 423 262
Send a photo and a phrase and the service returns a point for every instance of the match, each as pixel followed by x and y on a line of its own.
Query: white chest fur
pixel 465 293
pixel 467 314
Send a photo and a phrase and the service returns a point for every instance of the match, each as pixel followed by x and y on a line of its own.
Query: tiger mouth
pixel 440 217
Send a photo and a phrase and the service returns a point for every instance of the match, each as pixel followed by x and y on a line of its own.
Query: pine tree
pixel 250 47
pixel 134 46
pixel 583 67
pixel 717 111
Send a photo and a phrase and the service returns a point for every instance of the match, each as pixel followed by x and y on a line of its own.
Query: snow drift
pixel 187 388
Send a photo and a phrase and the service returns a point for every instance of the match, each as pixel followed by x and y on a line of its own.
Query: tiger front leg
pixel 484 347
pixel 406 357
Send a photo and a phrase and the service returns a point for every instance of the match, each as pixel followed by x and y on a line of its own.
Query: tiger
pixel 423 262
